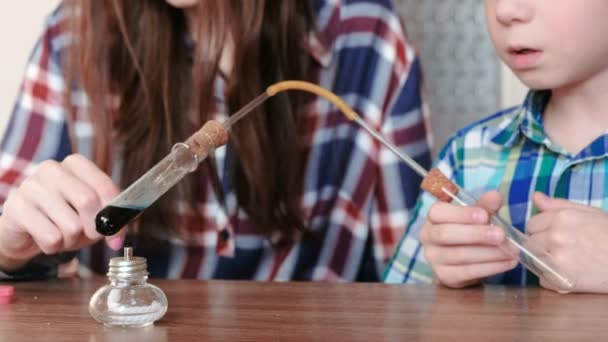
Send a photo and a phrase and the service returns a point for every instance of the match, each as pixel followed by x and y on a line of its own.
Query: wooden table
pixel 254 311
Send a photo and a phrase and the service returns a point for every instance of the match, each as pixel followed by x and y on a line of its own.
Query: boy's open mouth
pixel 523 57
pixel 522 51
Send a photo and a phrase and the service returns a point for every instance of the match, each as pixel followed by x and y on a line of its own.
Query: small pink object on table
pixel 6 294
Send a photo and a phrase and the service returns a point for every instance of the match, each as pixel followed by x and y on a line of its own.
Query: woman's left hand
pixel 577 237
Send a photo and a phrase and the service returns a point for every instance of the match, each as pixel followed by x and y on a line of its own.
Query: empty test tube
pixel 533 256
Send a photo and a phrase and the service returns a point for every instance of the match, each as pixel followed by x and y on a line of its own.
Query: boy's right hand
pixel 54 211
pixel 460 244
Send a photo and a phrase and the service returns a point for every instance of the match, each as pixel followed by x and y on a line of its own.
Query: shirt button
pixel 225 235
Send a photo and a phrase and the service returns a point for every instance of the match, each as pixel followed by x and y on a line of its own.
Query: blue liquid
pixel 111 219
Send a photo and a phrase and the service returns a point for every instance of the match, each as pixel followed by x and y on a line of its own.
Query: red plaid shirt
pixel 358 197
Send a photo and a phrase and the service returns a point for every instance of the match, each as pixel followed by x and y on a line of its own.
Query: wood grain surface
pixel 258 311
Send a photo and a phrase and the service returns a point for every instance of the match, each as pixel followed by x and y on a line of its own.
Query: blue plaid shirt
pixel 511 152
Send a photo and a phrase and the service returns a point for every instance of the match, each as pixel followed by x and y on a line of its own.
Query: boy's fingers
pixel 466 273
pixel 463 255
pixel 442 212
pixel 545 203
pixel 490 201
pixel 456 234
pixel 539 223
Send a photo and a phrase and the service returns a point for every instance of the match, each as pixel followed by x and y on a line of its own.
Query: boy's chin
pixel 537 81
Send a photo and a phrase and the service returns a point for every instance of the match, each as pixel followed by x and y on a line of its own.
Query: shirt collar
pixel 528 122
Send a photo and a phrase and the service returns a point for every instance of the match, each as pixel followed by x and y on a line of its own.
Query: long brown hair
pixel 137 51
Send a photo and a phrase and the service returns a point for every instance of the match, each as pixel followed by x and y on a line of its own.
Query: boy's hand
pixel 461 246
pixel 577 238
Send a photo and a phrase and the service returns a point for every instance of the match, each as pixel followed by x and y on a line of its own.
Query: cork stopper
pixel 435 182
pixel 211 135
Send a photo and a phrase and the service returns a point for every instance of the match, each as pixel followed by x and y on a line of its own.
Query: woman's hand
pixel 54 210
pixel 577 238
pixel 460 244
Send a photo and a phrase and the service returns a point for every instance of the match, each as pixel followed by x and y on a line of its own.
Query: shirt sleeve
pixel 37 128
pixel 37 131
pixel 409 264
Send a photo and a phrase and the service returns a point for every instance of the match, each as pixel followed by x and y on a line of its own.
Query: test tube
pixel 183 159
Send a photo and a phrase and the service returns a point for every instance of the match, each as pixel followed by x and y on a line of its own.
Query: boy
pixel 547 158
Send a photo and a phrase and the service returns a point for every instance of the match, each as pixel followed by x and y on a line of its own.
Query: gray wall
pixel 462 71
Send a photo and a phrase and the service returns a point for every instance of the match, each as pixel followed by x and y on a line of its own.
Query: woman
pixel 298 193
